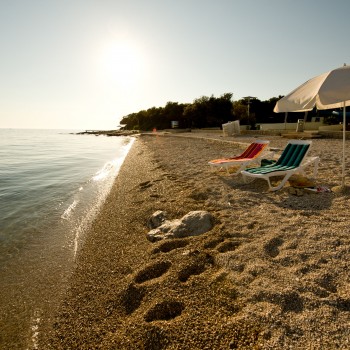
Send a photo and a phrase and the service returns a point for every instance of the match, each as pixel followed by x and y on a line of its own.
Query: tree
pixel 173 111
pixel 240 111
pixel 208 112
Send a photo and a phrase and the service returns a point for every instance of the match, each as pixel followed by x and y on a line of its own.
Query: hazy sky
pixel 84 64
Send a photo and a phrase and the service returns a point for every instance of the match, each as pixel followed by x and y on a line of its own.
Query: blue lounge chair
pixel 292 160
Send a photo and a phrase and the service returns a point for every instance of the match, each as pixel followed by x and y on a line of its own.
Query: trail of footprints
pixel 132 297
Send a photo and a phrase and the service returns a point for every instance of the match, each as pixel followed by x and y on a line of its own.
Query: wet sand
pixel 271 274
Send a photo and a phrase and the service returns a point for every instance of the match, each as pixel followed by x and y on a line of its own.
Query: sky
pixel 85 64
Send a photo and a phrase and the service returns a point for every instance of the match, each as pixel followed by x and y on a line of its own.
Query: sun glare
pixel 122 63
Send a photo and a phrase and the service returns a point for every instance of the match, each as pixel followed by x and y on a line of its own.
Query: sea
pixel 52 185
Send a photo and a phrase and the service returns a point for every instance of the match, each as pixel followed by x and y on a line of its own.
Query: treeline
pixel 206 112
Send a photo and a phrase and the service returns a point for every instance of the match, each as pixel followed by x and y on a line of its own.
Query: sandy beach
pixel 273 273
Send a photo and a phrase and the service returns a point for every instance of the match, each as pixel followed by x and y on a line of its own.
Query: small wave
pixel 35 322
pixel 68 212
pixel 104 172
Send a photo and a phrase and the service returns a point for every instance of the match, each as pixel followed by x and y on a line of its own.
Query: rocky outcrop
pixel 192 224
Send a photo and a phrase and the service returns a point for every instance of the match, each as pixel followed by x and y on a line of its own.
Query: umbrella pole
pixel 344 138
pixel 285 120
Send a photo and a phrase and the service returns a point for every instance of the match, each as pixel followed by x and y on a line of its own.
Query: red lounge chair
pixel 252 154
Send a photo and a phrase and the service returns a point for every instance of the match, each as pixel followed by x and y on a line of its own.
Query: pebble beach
pixel 272 273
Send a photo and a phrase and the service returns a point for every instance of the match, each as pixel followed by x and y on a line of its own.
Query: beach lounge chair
pixel 253 153
pixel 292 160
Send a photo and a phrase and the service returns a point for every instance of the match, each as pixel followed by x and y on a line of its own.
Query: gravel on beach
pixel 273 273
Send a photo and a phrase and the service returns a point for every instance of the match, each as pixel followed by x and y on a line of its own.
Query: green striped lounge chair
pixel 253 153
pixel 292 160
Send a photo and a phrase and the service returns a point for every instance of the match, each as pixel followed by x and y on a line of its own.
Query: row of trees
pixel 207 112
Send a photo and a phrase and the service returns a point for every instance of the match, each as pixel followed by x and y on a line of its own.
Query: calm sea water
pixel 52 184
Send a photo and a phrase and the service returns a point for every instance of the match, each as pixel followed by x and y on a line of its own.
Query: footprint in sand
pixel 168 246
pixel 129 299
pixel 144 185
pixel 327 282
pixel 199 196
pixel 271 247
pixel 213 243
pixel 289 300
pixel 165 310
pixel 152 271
pixel 343 304
pixel 197 266
pixel 228 246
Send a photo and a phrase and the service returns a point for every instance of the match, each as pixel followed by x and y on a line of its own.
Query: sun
pixel 122 63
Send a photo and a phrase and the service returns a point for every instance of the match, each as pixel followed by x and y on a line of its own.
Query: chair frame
pixel 290 162
pixel 249 156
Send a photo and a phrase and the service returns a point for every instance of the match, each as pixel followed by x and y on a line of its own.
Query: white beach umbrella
pixel 326 91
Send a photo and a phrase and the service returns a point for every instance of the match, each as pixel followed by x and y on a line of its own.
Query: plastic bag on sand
pixel 317 189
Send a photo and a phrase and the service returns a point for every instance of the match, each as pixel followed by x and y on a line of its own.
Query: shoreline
pixel 254 283
pixel 54 185
pixel 108 132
